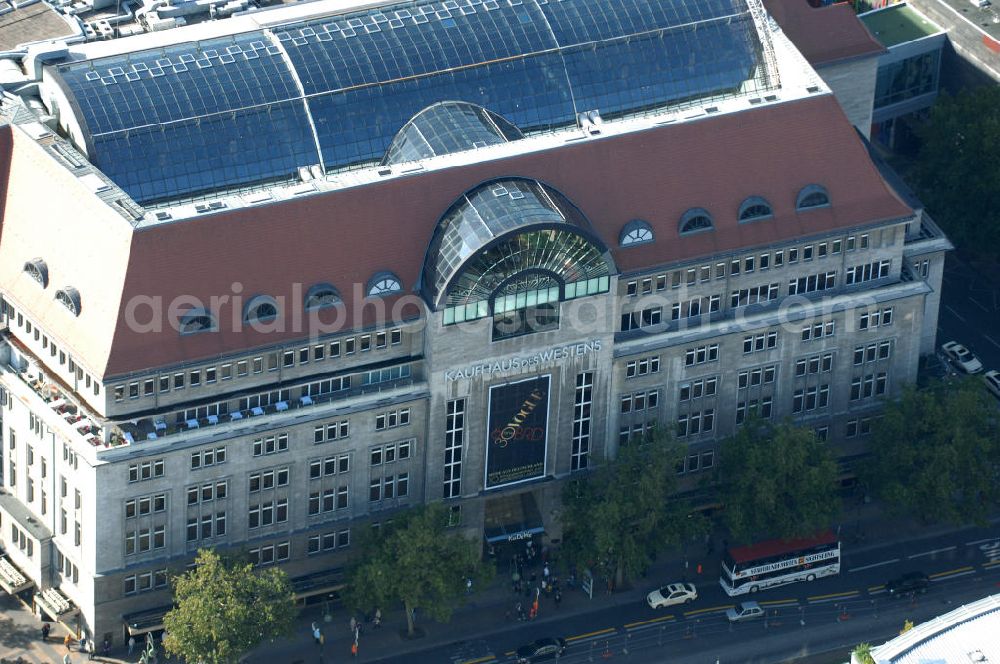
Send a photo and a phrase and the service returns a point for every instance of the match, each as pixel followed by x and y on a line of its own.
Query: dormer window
pixel 69 297
pixel 383 284
pixel 812 196
pixel 260 309
pixel 38 270
pixel 197 320
pixel 695 220
pixel 634 233
pixel 755 208
pixel 321 296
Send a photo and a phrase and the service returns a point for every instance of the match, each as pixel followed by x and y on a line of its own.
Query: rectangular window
pixel 453 447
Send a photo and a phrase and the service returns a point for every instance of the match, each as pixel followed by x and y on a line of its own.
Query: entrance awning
pixel 11 578
pixel 512 518
pixel 141 622
pixel 326 582
pixel 55 604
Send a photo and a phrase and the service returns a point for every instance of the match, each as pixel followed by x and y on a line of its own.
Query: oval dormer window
pixel 383 284
pixel 197 320
pixel 38 270
pixel 260 309
pixel 812 196
pixel 320 296
pixel 69 297
pixel 695 220
pixel 634 233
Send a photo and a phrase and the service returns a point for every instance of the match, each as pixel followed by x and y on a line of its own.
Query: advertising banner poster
pixel 517 431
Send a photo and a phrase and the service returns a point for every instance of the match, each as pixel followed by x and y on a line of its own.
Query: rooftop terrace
pixel 898 24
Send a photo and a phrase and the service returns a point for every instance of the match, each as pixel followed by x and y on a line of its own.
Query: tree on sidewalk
pixel 620 516
pixel 959 166
pixel 224 608
pixel 418 562
pixel 936 453
pixel 776 480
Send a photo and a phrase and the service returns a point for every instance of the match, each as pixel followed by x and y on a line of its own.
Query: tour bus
pixel 747 569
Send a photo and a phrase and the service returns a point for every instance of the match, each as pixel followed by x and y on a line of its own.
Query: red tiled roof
pixel 346 236
pixel 824 35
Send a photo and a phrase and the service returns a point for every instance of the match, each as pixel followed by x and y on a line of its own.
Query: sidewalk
pixel 863 527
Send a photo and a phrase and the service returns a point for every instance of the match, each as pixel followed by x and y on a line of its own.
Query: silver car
pixel 744 611
pixel 962 357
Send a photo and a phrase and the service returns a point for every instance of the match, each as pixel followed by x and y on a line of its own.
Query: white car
pixel 744 611
pixel 674 593
pixel 992 380
pixel 962 357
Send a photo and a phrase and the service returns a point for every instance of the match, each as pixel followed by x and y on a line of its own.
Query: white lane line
pixel 884 562
pixel 976 302
pixel 955 313
pixel 931 553
pixel 982 541
pixel 991 340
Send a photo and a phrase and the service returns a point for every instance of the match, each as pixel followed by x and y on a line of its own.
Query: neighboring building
pixel 909 73
pixel 967 634
pixel 267 280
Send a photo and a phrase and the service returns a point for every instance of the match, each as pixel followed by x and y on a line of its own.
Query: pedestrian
pixel 83 643
pixel 354 625
pixel 106 646
pixel 468 585
pixel 46 628
pixel 545 572
pixel 558 598
pixel 66 659
pixel 131 644
pixel 317 635
pixel 354 649
pixel 67 641
pixel 91 649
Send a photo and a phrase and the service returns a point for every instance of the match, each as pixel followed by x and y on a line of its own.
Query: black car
pixel 541 650
pixel 914 582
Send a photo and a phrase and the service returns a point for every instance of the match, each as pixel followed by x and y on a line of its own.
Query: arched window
pixel 38 270
pixel 812 196
pixel 755 208
pixel 635 232
pixel 384 283
pixel 195 321
pixel 321 295
pixel 69 297
pixel 260 309
pixel 695 220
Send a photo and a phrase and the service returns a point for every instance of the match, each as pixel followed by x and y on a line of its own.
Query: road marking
pixel 876 589
pixel 651 621
pixel 961 571
pixel 991 564
pixel 884 562
pixel 955 313
pixel 931 553
pixel 976 302
pixel 780 602
pixel 819 599
pixel 712 609
pixel 990 339
pixel 588 635
pixel 488 658
pixel 982 541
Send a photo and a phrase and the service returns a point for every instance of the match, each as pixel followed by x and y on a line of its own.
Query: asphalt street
pixel 970 309
pixel 803 619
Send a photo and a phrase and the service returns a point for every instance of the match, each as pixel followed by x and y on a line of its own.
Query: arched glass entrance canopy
pixel 450 126
pixel 508 245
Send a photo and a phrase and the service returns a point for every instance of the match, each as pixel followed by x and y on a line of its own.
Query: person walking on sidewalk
pixel 68 641
pixel 354 625
pixel 67 659
pixel 378 618
pixel 46 628
pixel 131 645
pixel 558 598
pixel 468 585
pixel 317 635
pixel 91 649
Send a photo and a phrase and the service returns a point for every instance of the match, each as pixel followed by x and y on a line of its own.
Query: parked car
pixel 962 357
pixel 670 594
pixel 744 611
pixel 541 650
pixel 913 582
pixel 992 380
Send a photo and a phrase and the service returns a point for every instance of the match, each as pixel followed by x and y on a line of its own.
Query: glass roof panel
pixel 366 74
pixel 448 127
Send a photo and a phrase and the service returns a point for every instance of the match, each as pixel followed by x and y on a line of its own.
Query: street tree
pixel 936 453
pixel 618 518
pixel 223 608
pixel 959 165
pixel 776 480
pixel 417 561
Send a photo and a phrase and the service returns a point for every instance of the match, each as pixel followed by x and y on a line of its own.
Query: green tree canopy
pixel 618 518
pixel 959 167
pixel 936 453
pixel 224 608
pixel 418 562
pixel 776 480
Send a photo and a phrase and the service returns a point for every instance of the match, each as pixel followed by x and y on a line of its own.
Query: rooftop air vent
pixel 812 89
pixel 68 156
pixel 162 216
pixel 977 656
pixel 712 109
pixel 385 170
pixel 590 122
pixel 770 97
pixel 209 207
pixel 755 100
